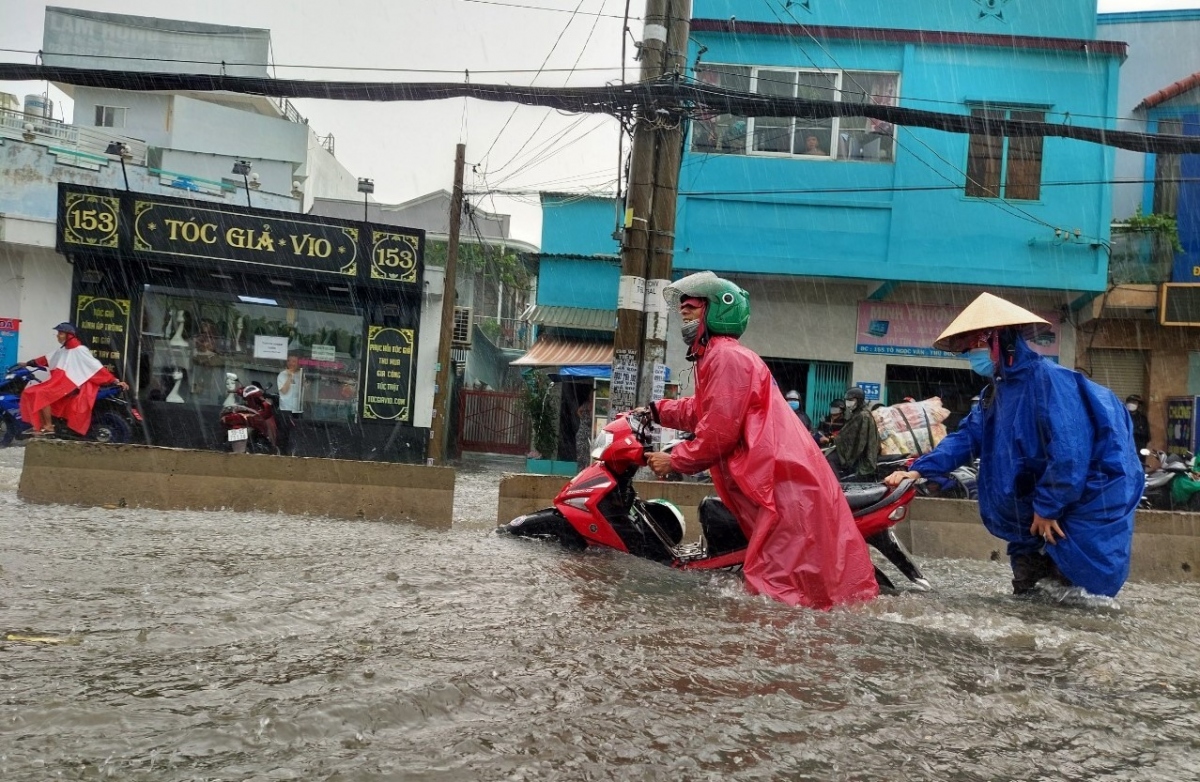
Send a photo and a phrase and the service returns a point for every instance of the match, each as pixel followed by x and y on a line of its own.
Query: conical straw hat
pixel 987 312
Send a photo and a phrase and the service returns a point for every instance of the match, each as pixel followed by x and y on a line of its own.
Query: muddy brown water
pixel 148 645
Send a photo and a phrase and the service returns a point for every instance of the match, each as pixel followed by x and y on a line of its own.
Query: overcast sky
pixel 408 148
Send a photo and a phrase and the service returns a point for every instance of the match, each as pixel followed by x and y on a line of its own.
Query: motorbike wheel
pixel 8 430
pixel 547 523
pixel 109 428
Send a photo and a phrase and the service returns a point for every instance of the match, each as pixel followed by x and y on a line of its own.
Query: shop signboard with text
pixel 388 377
pixel 9 332
pixel 159 229
pixel 911 329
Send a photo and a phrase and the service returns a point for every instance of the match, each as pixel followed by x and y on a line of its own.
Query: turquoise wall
pixel 575 226
pixel 1048 18
pixel 910 220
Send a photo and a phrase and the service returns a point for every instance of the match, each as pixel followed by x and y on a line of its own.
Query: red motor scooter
pixel 600 507
pixel 250 427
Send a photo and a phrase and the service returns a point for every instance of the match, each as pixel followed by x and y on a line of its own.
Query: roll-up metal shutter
pixel 1124 371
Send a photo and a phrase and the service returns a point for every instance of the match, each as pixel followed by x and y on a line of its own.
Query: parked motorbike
pixel 600 507
pixel 114 419
pixel 1157 493
pixel 249 426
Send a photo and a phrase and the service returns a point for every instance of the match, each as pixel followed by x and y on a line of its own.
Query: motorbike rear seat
pixel 864 495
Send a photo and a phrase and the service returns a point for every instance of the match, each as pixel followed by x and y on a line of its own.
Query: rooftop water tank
pixel 39 106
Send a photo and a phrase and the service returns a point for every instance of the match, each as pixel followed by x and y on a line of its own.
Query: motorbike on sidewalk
pixel 114 419
pixel 1158 493
pixel 600 508
pixel 249 425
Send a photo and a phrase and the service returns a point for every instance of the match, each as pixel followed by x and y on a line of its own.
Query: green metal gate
pixel 827 381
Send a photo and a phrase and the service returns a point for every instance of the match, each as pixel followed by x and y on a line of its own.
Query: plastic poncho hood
pixel 1050 440
pixel 804 546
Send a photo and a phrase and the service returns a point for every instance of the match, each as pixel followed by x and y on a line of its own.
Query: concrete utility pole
pixel 648 241
pixel 441 397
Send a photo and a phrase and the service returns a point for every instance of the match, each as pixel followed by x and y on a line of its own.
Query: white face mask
pixel 1131 407
pixel 851 404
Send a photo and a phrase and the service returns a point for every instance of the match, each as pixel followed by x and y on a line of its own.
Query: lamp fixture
pixel 242 167
pixel 366 187
pixel 122 152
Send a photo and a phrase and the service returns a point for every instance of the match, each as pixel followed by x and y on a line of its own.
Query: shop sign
pixel 388 376
pixel 155 228
pixel 103 325
pixel 1181 425
pixel 9 331
pixel 871 391
pixel 200 233
pixel 911 330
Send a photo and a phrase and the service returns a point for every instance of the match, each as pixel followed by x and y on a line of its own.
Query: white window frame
pixel 102 113
pixel 839 75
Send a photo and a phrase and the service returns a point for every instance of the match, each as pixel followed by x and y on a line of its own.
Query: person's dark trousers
pixel 289 426
pixel 1030 567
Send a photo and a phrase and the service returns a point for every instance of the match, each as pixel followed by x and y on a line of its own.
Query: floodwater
pixel 220 646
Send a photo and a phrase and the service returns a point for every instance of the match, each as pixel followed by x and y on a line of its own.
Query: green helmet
pixel 728 309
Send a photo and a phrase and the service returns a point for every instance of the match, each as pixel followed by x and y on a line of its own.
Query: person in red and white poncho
pixel 70 391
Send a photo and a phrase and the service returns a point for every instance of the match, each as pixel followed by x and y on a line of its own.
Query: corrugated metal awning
pixel 559 352
pixel 571 317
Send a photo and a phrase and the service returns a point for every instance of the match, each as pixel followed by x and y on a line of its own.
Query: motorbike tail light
pixel 136 414
pixel 898 514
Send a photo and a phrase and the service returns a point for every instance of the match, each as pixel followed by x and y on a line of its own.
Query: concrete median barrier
pixel 140 476
pixel 1166 546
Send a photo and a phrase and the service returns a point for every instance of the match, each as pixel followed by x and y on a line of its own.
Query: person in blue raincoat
pixel 1059 477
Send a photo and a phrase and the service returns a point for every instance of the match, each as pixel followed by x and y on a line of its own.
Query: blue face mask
pixel 981 362
pixel 794 404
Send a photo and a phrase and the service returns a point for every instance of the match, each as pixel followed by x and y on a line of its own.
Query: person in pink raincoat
pixel 804 546
pixel 73 369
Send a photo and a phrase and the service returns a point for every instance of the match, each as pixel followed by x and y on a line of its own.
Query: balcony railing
pixel 1140 257
pixel 89 145
pixel 508 333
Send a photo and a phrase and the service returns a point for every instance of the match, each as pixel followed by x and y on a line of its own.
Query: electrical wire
pixel 667 94
pixel 543 8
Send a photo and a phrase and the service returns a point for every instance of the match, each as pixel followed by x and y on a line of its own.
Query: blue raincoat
pixel 1054 442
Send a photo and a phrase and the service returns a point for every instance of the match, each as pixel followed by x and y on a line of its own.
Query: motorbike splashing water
pixel 600 508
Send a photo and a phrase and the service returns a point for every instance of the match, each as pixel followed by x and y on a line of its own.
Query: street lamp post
pixel 366 187
pixel 121 151
pixel 243 167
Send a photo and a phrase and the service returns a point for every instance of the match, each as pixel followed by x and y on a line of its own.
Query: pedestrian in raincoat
pixel 856 447
pixel 832 423
pixel 804 548
pixel 1059 478
pixel 70 391
pixel 1141 423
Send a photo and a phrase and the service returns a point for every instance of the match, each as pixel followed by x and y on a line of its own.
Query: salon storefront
pixel 177 296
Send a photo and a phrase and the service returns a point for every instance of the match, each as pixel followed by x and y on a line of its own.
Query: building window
pixel 837 138
pixel 1000 166
pixel 110 117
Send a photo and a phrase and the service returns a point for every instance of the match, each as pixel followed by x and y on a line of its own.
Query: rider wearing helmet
pixel 856 447
pixel 1059 478
pixel 797 404
pixel 804 548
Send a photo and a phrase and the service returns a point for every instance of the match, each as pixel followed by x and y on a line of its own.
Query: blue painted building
pixel 857 240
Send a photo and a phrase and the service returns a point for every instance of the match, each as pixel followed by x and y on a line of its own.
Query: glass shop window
pixel 191 340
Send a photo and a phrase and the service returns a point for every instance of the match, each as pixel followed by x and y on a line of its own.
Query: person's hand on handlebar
pixel 659 463
pixel 894 479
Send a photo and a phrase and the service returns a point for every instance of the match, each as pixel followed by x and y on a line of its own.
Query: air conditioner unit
pixel 462 329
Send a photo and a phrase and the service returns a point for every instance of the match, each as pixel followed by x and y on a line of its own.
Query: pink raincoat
pixel 804 547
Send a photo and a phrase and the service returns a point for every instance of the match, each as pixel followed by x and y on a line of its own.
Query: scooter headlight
pixel 601 441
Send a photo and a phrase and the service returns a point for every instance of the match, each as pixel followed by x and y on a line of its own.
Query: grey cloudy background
pixel 408 148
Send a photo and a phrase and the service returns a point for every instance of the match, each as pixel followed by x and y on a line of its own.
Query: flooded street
pixel 215 646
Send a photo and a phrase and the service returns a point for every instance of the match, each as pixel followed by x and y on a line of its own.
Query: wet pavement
pixel 148 645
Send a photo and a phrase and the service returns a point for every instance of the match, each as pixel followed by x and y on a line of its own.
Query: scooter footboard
pixel 545 523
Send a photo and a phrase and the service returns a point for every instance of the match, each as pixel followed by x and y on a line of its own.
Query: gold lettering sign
pixel 388 374
pixel 90 220
pixel 103 325
pixel 394 256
